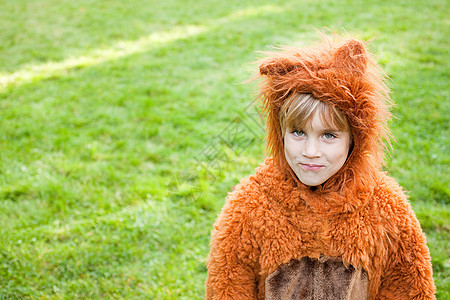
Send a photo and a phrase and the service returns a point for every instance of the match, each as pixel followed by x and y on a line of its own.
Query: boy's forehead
pixel 320 120
pixel 317 120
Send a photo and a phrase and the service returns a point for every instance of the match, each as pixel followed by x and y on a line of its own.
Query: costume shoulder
pixel 397 213
pixel 233 265
pixel 408 272
pixel 393 201
pixel 245 208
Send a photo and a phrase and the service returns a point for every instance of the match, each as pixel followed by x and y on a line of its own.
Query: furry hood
pixel 343 74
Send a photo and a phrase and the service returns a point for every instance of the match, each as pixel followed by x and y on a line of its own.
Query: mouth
pixel 311 167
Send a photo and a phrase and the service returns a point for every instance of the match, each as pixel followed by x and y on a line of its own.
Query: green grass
pixel 107 106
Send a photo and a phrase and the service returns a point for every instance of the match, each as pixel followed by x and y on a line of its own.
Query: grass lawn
pixel 125 123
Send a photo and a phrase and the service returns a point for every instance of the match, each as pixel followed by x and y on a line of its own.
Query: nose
pixel 311 148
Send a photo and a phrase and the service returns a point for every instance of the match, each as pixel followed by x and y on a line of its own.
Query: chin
pixel 312 181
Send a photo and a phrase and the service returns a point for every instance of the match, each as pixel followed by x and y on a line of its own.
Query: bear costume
pixel 353 237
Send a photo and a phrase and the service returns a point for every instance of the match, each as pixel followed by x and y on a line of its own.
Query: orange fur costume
pixel 353 237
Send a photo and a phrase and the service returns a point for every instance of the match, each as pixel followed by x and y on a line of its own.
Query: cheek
pixel 340 155
pixel 289 147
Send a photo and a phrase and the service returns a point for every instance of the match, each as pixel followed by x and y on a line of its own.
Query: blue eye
pixel 298 133
pixel 329 136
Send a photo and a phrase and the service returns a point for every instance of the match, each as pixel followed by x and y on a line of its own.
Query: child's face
pixel 316 152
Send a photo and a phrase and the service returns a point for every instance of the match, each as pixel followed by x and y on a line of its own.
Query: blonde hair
pixel 298 110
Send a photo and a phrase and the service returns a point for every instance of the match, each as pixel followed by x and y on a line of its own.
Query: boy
pixel 319 220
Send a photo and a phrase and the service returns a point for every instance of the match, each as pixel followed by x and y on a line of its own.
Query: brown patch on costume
pixel 318 279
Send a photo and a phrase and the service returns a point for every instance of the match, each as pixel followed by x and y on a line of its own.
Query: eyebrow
pixel 331 130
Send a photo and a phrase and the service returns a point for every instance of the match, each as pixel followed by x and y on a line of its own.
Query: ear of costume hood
pixel 351 57
pixel 341 74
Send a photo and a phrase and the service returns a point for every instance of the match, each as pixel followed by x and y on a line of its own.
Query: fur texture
pixel 316 279
pixel 360 215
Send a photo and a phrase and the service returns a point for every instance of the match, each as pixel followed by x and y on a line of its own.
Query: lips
pixel 311 167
